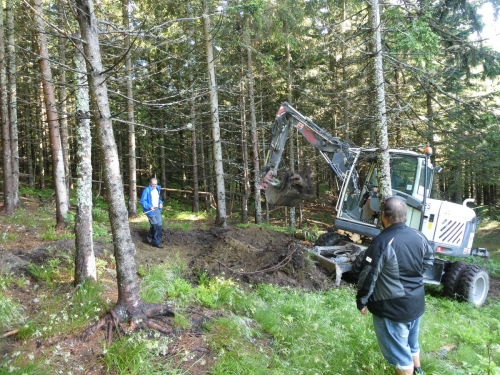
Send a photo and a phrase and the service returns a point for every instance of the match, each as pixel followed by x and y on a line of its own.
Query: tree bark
pixel 291 136
pixel 63 118
pixel 214 101
pixel 52 118
pixel 163 166
pixel 253 121
pixel 8 186
pixel 129 305
pixel 85 267
pixel 244 147
pixel 12 90
pixel 40 147
pixel 132 167
pixel 194 156
pixel 383 159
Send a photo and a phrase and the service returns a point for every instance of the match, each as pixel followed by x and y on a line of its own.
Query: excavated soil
pixel 251 255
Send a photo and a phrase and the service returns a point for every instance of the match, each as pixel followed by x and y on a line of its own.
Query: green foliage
pixel 235 338
pixel 412 35
pixel 100 214
pixel 50 234
pixel 165 280
pixel 137 354
pixel 64 312
pixel 181 320
pixel 181 225
pixel 10 313
pixel 47 273
pixel 219 292
pixel 101 230
pixel 323 331
pixel 18 366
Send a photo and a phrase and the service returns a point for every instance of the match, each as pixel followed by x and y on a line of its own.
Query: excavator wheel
pixel 329 239
pixel 451 278
pixel 473 285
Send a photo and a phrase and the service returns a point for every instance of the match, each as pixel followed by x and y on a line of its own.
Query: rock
pixel 10 263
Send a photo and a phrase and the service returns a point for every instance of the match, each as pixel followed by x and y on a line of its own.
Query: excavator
pixel 449 227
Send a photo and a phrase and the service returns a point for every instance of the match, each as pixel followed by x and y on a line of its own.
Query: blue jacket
pixel 146 200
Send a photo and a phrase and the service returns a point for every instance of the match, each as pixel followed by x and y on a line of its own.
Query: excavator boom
pixel 292 188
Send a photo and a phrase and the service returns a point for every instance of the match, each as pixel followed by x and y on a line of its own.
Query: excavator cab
pixel 410 178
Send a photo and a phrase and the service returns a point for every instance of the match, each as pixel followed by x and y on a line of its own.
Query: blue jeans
pixel 397 341
pixel 155 231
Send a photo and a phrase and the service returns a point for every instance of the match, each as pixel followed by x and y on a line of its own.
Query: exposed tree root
pixel 138 319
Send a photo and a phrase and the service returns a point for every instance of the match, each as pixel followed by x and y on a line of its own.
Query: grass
pixel 65 311
pixel 487 236
pixel 10 313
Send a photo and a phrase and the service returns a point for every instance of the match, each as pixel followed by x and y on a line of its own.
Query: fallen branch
pixel 10 333
pixel 317 222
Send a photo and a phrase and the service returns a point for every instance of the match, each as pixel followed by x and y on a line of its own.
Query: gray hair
pixel 394 210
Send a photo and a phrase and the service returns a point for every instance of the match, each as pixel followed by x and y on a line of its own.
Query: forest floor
pixel 250 255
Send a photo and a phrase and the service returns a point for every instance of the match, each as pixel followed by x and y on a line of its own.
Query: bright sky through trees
pixel 491 30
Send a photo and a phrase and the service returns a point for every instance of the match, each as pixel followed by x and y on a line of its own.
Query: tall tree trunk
pixel 129 305
pixel 383 160
pixel 182 154
pixel 253 120
pixel 430 136
pixel 194 156
pixel 291 137
pixel 132 167
pixel 29 148
pixel 63 118
pixel 50 103
pixel 214 103
pixel 244 146
pixel 40 147
pixel 192 117
pixel 12 91
pixel 203 168
pixel 163 166
pixel 85 267
pixel 8 186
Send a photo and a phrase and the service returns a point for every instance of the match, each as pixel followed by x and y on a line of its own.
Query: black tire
pixel 356 267
pixel 473 285
pixel 451 278
pixel 329 239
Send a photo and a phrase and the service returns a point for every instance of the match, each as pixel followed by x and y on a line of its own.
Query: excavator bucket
pixel 292 191
pixel 289 198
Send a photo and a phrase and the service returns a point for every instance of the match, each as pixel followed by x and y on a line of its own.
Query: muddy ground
pixel 250 255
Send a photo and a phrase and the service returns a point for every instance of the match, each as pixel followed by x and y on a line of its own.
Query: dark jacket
pixel 146 201
pixel 391 278
pixel 365 197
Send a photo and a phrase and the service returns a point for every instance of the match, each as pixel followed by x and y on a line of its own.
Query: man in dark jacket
pixel 391 286
pixel 152 206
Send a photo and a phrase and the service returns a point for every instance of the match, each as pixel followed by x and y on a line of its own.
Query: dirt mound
pixel 252 255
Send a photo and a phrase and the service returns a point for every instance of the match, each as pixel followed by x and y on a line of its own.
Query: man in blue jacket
pixel 391 287
pixel 152 206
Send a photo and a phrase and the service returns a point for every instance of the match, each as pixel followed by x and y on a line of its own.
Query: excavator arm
pixel 293 189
